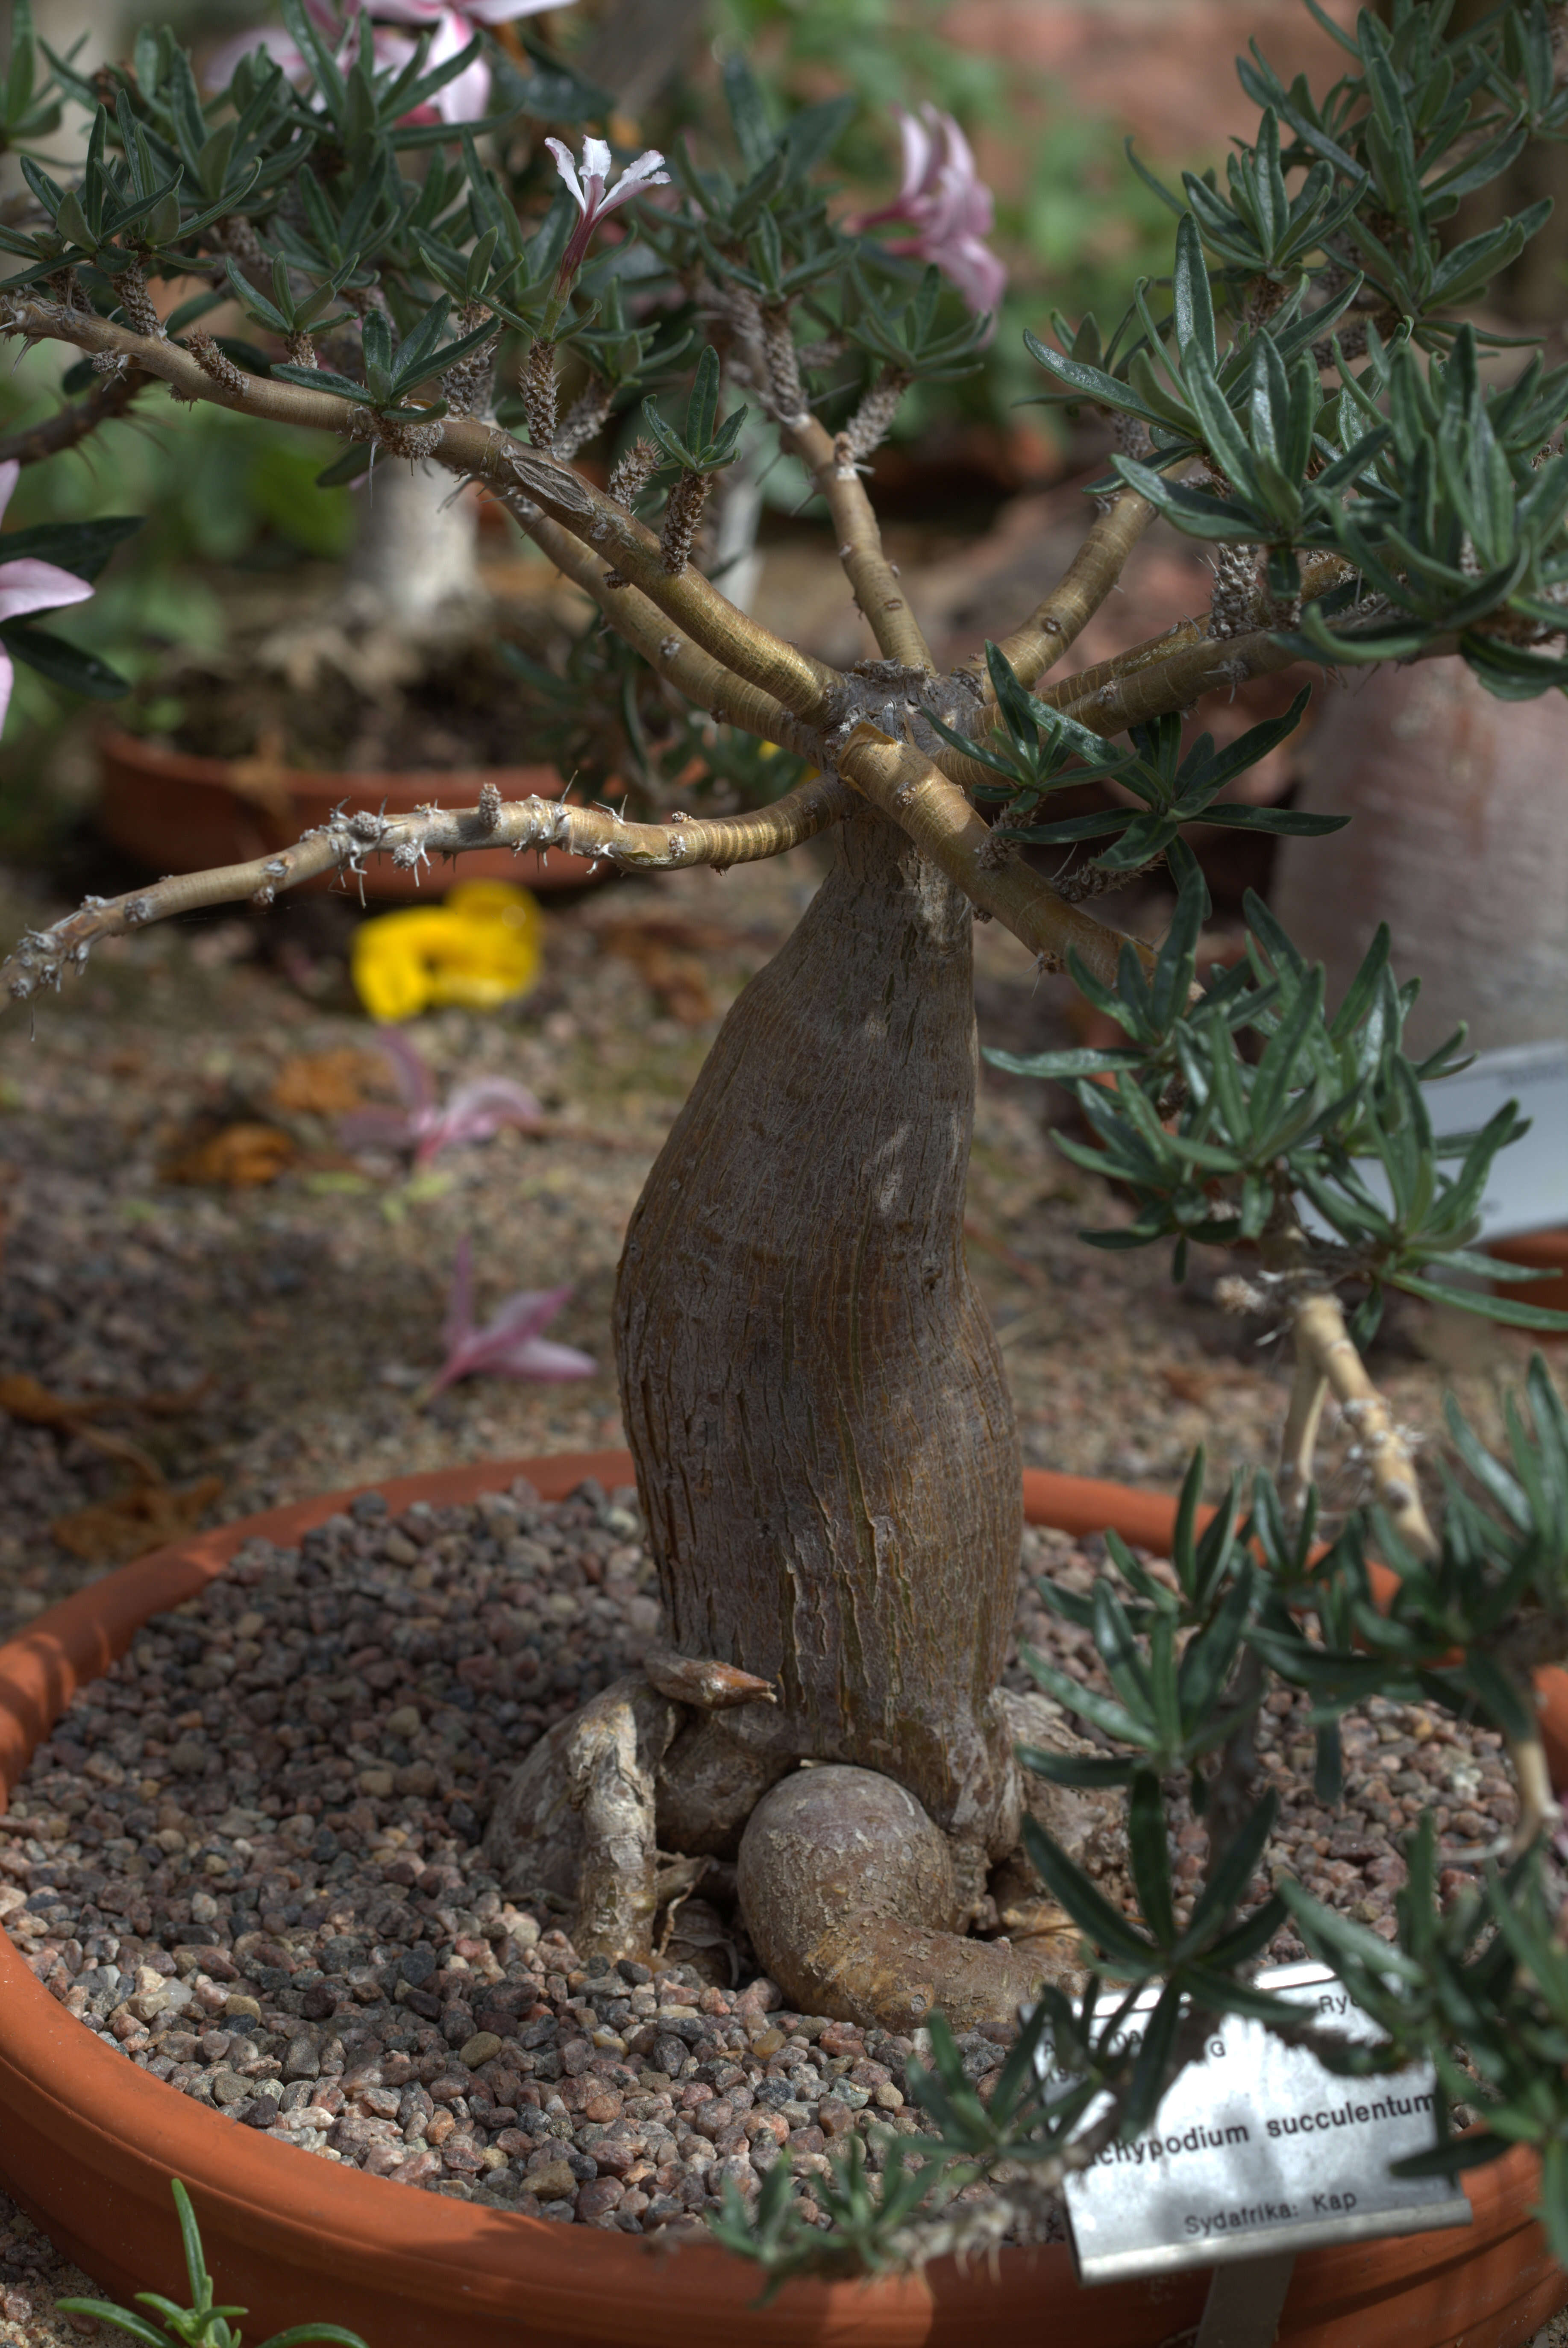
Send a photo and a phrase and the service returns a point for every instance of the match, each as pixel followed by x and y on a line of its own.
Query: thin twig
pixel 73 422
pixel 466 445
pixel 1298 1443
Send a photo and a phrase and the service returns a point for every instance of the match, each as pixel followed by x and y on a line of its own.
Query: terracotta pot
pixel 176 813
pixel 88 2143
pixel 1542 1251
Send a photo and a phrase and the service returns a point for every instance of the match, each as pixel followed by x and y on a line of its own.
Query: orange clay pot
pixel 1542 1252
pixel 176 813
pixel 89 2143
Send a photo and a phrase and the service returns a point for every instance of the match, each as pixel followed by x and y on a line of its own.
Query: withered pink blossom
pixel 947 204
pixel 473 1111
pixel 592 195
pixel 509 1346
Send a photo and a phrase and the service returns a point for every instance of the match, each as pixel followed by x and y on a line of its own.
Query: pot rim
pixel 292 2211
pixel 193 767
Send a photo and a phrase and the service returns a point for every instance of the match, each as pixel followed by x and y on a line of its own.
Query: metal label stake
pixel 1245 2303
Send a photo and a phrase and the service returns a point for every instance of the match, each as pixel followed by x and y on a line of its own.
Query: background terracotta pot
pixel 1458 840
pixel 88 2143
pixel 1542 1251
pixel 176 813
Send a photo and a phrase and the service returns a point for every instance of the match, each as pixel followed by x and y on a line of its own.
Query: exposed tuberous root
pixel 1539 1809
pixel 849 1894
pixel 705 1686
pixel 612 1769
pixel 577 1820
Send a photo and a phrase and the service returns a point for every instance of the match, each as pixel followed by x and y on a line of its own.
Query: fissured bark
pixel 825 1445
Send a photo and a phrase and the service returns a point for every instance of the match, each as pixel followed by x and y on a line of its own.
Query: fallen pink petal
pixel 474 1111
pixel 510 1345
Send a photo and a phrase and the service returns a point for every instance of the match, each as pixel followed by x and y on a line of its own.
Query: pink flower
pixel 454 21
pixel 509 1346
pixel 473 1112
pixel 588 193
pixel 271 41
pixel 465 98
pixel 28 585
pixel 947 203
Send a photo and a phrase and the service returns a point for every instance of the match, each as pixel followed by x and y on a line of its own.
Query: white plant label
pixel 1259 2151
pixel 1528 1186
pixel 1527 1189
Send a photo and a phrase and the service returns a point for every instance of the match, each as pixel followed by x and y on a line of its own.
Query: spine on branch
pixel 633 472
pixel 683 517
pixel 541 395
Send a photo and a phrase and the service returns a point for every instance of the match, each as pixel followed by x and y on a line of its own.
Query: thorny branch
pixel 74 421
pixel 466 445
pixel 342 846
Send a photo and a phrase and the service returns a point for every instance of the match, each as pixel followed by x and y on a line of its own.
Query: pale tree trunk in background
pixel 813 1396
pixel 416 549
pixel 1458 840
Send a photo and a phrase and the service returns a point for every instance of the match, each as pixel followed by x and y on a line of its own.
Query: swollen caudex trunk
pixel 813 1396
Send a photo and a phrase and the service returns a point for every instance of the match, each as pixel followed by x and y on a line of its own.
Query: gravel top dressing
pixel 250 1858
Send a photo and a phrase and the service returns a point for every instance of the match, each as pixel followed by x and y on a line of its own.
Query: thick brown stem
pixel 813 1396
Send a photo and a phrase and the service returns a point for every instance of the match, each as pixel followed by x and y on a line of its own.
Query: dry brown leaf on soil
pixel 22 1397
pixel 664 951
pixel 114 1531
pixel 1190 1382
pixel 236 1158
pixel 329 1084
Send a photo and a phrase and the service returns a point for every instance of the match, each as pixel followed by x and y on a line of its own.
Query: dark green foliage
pixel 702 445
pixel 1036 750
pixel 1260 1602
pixel 1437 493
pixel 1249 1106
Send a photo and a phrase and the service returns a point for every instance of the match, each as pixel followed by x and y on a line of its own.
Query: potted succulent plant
pixel 823 1442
